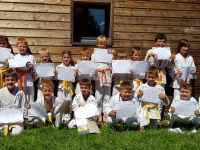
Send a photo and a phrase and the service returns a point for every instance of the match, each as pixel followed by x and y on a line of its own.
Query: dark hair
pixel 160 36
pixel 10 72
pixel 68 52
pixel 85 82
pixel 183 43
pixel 186 86
pixel 3 38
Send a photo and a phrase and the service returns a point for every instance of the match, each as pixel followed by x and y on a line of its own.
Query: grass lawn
pixel 63 139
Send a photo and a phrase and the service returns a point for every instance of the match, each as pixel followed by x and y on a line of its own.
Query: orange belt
pixel 22 77
pixel 160 75
pixel 103 71
pixel 2 69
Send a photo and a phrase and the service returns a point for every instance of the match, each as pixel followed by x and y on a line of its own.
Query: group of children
pixel 103 89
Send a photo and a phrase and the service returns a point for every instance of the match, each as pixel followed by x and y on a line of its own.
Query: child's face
pixel 151 78
pixel 66 59
pixel 22 48
pixel 85 90
pixel 85 57
pixel 121 58
pixel 3 44
pixel 185 93
pixel 160 43
pixel 136 56
pixel 44 57
pixel 183 50
pixel 10 82
pixel 101 45
pixel 47 92
pixel 126 94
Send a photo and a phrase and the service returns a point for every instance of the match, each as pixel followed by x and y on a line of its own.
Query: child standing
pixel 65 88
pixel 25 82
pixel 102 87
pixel 125 94
pixel 85 55
pixel 51 103
pixel 119 78
pixel 185 94
pixel 81 99
pixel 183 59
pixel 149 111
pixel 12 97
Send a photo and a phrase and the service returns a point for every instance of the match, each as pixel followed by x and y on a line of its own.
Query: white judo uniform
pixel 180 62
pixel 150 112
pixel 181 118
pixel 102 84
pixel 28 86
pixel 56 102
pixel 15 100
pixel 78 99
pixel 109 106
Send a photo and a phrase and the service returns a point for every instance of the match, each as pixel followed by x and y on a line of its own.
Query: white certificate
pixel 121 66
pixel 86 67
pixel 44 69
pixel 5 53
pixel 10 115
pixel 185 108
pixel 139 67
pixel 187 72
pixel 17 63
pixel 151 94
pixel 126 109
pixel 87 111
pixel 161 53
pixel 102 55
pixel 64 108
pixel 37 110
pixel 66 73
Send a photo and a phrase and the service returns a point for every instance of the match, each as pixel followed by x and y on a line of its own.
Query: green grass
pixel 109 139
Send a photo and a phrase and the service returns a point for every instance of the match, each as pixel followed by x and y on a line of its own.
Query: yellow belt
pixel 66 86
pixel 42 80
pixel 150 106
pixel 121 80
pixel 7 128
pixel 138 81
pixel 2 69
pixel 160 75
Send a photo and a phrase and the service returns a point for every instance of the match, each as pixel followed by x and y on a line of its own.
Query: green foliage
pixel 64 139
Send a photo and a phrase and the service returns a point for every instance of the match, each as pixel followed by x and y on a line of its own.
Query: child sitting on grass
pixel 185 95
pixel 12 97
pixel 81 99
pixel 125 94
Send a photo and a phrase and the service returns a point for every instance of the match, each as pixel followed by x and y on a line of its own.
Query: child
pixel 185 94
pixel 149 111
pixel 183 59
pixel 81 99
pixel 51 103
pixel 25 82
pixel 4 65
pixel 137 79
pixel 160 40
pixel 65 88
pixel 45 58
pixel 12 97
pixel 102 87
pixel 85 55
pixel 125 94
pixel 119 78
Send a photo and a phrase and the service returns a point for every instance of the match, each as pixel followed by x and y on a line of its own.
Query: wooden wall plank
pixel 60 2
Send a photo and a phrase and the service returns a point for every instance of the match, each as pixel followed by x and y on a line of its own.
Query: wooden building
pixel 50 24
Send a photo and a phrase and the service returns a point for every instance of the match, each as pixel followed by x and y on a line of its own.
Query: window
pixel 89 21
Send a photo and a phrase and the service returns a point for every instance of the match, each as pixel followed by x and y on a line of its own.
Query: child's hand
pixel 76 72
pixel 6 61
pixel 131 70
pixel 173 56
pixel 70 107
pixel 197 112
pixel 193 72
pixel 80 105
pixel 162 96
pixel 150 54
pixel 112 113
pixel 20 122
pixel 30 65
pixel 91 119
pixel 28 106
pixel 172 109
pixel 140 93
pixel 178 73
pixel 55 71
pixel 34 74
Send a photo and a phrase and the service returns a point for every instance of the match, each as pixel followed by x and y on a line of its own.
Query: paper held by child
pixel 102 55
pixel 86 67
pixel 44 69
pixel 11 115
pixel 66 73
pixel 37 110
pixel 161 53
pixel 18 63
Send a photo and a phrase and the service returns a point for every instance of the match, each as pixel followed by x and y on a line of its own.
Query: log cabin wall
pixel 46 23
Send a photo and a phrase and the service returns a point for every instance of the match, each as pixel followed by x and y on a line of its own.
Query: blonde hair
pixel 152 70
pixel 48 83
pixel 122 54
pixel 126 85
pixel 101 39
pixel 85 51
pixel 44 50
pixel 21 40
pixel 136 49
pixel 68 52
